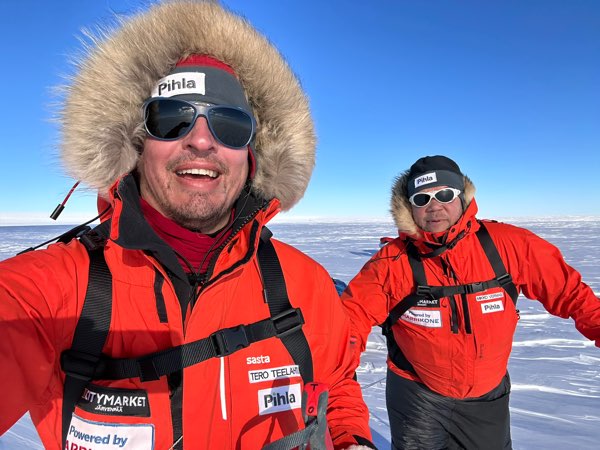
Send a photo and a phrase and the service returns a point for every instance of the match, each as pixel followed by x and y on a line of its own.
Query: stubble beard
pixel 198 214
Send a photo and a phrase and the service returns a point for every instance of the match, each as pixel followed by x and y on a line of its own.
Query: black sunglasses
pixel 169 119
pixel 445 195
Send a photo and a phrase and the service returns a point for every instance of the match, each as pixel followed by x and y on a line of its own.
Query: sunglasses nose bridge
pixel 200 133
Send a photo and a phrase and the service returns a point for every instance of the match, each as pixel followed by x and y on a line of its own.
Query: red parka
pixel 472 360
pixel 225 403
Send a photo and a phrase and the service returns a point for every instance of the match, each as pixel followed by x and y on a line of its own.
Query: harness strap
pixel 502 276
pixel 223 342
pixel 276 297
pixel 90 334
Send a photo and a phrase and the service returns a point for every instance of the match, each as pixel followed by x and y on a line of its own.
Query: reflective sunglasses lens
pixel 169 119
pixel 230 126
pixel 445 195
pixel 420 200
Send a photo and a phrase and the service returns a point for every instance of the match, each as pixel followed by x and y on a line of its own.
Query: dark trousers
pixel 423 419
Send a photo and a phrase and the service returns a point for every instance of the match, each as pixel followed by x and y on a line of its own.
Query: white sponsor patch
pixel 180 83
pixel 425 179
pixel 87 435
pixel 273 373
pixel 279 399
pixel 486 297
pixel 431 319
pixel 492 307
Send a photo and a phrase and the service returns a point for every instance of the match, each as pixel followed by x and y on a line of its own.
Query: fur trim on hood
pixel 401 208
pixel 102 129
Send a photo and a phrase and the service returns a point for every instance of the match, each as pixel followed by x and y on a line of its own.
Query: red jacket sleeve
pixel 368 297
pixel 34 300
pixel 541 272
pixel 327 330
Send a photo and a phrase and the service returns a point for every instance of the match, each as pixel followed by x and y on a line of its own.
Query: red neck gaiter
pixel 190 247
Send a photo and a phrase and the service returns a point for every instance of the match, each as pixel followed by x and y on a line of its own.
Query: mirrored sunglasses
pixel 169 119
pixel 445 195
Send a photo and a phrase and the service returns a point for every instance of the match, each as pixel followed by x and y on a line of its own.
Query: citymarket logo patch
pixel 114 402
pixel 279 399
pixel 425 179
pixel 181 83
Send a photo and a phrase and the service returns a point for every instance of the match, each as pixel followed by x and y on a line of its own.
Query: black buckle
pixel 504 279
pixel 287 322
pixel 424 291
pixel 229 340
pixel 147 369
pixel 79 364
pixel 475 287
pixel 91 240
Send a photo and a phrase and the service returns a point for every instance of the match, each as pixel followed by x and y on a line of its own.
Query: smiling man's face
pixel 436 216
pixel 194 180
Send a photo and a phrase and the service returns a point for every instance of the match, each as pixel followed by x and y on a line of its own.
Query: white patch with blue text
pixel 86 434
pixel 430 319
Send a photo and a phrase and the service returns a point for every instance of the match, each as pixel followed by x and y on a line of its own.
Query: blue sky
pixel 508 88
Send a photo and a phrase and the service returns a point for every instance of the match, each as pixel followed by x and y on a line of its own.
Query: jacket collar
pixel 437 243
pixel 130 230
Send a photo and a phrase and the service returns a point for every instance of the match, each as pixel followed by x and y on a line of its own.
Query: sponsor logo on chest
pixel 488 297
pixel 88 435
pixel 492 307
pixel 114 402
pixel 262 359
pixel 273 373
pixel 283 398
pixel 428 303
pixel 430 319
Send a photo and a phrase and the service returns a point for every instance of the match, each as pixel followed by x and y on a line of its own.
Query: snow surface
pixel 554 370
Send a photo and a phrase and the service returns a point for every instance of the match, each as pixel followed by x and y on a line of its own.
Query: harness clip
pixel 78 364
pixel 475 287
pixel 287 322
pixel 424 291
pixel 504 279
pixel 229 340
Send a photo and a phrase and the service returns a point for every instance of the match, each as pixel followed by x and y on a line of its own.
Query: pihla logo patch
pixel 279 399
pixel 492 307
pixel 425 179
pixel 181 83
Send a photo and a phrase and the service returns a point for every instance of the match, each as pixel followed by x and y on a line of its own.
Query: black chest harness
pixel 84 361
pixel 429 296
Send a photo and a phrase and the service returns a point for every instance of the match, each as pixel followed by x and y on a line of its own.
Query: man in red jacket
pixel 445 294
pixel 178 323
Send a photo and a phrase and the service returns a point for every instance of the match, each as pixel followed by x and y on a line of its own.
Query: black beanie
pixel 432 171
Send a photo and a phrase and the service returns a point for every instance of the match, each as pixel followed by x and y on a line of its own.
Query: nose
pixel 200 136
pixel 434 205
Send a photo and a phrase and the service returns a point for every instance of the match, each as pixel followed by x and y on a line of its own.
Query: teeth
pixel 206 172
